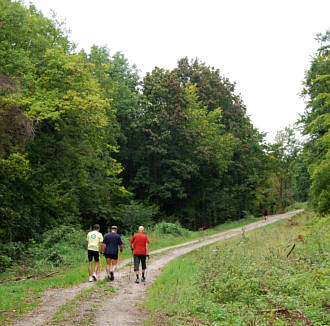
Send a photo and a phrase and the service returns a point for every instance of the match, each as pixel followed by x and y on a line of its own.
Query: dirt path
pixel 120 309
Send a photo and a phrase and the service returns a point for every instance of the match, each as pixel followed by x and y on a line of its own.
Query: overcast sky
pixel 264 46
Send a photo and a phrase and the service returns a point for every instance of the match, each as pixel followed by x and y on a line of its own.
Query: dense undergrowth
pixel 249 280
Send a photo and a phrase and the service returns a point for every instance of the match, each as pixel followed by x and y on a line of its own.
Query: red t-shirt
pixel 139 241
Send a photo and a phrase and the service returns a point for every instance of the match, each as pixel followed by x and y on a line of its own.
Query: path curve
pixel 122 308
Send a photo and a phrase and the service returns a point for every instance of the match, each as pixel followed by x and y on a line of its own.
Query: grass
pixel 16 298
pixel 249 280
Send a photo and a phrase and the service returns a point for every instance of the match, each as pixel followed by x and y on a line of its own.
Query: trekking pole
pixel 130 267
pixel 101 268
pixel 147 269
pixel 119 266
pixel 83 265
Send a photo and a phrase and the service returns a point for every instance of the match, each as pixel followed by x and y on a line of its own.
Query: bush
pixel 57 247
pixel 170 228
pixel 5 262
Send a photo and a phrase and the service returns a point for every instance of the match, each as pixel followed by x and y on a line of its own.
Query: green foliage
pixel 315 123
pixel 134 214
pixel 165 228
pixel 57 131
pixel 58 247
pixel 284 160
pixel 5 262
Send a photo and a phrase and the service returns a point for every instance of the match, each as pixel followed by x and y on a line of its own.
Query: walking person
pixel 94 241
pixel 265 214
pixel 110 245
pixel 140 246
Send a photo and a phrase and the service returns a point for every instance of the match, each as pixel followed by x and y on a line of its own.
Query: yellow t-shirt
pixel 94 239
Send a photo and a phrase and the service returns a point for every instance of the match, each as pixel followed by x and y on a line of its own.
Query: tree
pixel 283 155
pixel 315 123
pixel 58 132
pixel 246 172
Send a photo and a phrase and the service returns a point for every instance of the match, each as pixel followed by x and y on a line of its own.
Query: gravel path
pixel 121 308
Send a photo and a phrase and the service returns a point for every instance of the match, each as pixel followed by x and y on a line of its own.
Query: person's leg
pixel 136 267
pixel 96 267
pixel 90 265
pixel 114 265
pixel 113 268
pixel 144 266
pixel 108 266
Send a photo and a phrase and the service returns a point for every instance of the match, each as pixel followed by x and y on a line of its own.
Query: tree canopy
pixel 84 139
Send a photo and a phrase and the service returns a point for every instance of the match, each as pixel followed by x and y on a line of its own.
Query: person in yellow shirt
pixel 93 241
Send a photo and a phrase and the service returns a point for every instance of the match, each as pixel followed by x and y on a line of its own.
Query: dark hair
pixel 96 227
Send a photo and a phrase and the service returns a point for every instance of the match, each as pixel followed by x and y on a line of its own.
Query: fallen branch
pixel 50 274
pixel 33 276
pixel 290 250
pixel 289 312
pixel 273 310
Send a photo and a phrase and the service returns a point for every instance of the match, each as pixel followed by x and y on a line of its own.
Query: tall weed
pixel 236 281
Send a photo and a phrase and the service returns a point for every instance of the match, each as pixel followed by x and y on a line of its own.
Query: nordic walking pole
pixel 119 266
pixel 130 267
pixel 101 268
pixel 147 269
pixel 82 265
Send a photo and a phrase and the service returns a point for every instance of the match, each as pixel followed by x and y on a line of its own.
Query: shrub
pixel 170 228
pixel 5 262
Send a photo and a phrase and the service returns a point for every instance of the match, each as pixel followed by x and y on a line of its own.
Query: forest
pixel 85 139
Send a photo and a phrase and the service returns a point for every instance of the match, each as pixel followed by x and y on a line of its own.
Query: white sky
pixel 264 46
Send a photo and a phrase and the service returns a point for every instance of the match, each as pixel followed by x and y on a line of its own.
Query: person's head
pixel 114 228
pixel 96 227
pixel 141 229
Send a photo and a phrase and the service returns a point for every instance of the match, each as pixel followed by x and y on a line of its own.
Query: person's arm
pixel 102 247
pixel 120 243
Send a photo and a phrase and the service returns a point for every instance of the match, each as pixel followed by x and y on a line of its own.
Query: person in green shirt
pixel 94 241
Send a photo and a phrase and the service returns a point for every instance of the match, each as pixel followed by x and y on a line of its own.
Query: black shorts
pixel 111 256
pixel 137 259
pixel 93 254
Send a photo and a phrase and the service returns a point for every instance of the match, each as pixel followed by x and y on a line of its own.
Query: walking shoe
pixel 90 279
pixel 94 276
pixel 112 277
pixel 137 281
pixel 143 279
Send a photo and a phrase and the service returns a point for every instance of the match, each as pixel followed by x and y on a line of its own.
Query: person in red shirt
pixel 140 246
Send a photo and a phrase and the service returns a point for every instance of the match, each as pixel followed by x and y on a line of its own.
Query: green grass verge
pixel 248 279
